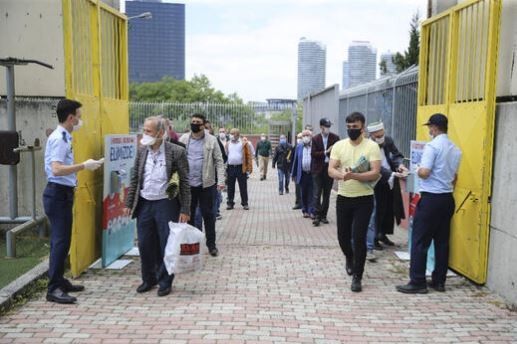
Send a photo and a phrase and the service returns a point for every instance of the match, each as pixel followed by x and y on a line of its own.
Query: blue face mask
pixel 283 141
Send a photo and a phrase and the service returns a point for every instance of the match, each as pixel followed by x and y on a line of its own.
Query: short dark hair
pixel 66 107
pixel 200 116
pixel 354 117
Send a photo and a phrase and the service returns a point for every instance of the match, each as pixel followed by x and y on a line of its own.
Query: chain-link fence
pixel 249 118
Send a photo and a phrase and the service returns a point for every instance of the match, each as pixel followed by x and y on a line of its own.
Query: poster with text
pixel 118 231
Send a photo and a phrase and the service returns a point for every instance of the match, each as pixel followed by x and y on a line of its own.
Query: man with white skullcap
pixel 388 199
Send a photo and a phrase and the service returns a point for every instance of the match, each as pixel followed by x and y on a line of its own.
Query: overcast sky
pixel 250 46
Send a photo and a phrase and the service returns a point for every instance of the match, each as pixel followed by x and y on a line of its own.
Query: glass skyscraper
pixel 312 57
pixel 157 45
pixel 362 63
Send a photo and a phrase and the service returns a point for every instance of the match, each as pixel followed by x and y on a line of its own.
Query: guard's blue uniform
pixel 58 200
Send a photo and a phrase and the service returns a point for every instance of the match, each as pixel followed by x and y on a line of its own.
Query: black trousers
pixel 384 211
pixel 234 173
pixel 58 201
pixel 432 222
pixel 204 198
pixel 152 221
pixel 353 215
pixel 298 200
pixel 322 184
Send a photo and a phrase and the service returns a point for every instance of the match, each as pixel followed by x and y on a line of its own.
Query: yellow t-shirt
pixel 348 155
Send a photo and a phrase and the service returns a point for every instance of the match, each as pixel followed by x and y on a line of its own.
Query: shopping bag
pixel 185 248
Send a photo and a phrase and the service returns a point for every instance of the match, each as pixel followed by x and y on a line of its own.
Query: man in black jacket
pixel 282 159
pixel 321 182
pixel 388 198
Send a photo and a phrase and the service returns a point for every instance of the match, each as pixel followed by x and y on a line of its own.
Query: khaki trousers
pixel 263 162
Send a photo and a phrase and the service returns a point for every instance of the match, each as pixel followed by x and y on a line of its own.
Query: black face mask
pixel 196 128
pixel 353 134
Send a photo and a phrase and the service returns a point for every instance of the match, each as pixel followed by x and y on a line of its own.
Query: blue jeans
pixel 283 176
pixel 152 221
pixel 370 235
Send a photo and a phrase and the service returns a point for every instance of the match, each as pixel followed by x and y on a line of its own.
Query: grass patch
pixel 33 289
pixel 30 251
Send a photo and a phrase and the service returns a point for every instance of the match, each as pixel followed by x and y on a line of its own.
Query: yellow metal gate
pixel 458 71
pixel 95 38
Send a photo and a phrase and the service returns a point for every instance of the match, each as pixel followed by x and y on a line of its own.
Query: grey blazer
pixel 176 161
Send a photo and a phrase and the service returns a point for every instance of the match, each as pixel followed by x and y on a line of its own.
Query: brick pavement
pixel 277 280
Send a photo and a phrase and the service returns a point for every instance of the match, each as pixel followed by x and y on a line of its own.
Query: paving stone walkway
pixel 277 280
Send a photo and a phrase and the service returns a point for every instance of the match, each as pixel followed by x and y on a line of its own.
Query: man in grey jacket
pixel 148 201
pixel 204 159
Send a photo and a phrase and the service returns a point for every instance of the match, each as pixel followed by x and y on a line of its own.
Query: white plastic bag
pixel 184 249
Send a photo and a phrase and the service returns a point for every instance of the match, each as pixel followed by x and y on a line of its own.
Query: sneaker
pixel 245 207
pixel 371 257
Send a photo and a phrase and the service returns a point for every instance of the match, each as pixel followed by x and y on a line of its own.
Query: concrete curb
pixel 17 286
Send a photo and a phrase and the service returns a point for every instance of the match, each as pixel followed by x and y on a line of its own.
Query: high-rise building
pixel 390 66
pixel 156 46
pixel 362 62
pixel 311 67
pixel 346 75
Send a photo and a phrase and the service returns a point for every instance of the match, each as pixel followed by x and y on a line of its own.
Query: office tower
pixel 346 75
pixel 362 62
pixel 390 66
pixel 311 67
pixel 156 45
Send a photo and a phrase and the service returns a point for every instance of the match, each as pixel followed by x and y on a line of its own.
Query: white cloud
pixel 255 54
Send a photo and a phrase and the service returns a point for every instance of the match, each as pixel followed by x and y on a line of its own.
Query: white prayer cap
pixel 375 126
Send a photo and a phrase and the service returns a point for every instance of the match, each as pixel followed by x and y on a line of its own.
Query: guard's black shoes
pixel 71 288
pixel 324 220
pixel 164 291
pixel 146 286
pixel 356 284
pixel 214 252
pixel 296 207
pixel 348 267
pixel 437 286
pixel 386 241
pixel 412 289
pixel 59 296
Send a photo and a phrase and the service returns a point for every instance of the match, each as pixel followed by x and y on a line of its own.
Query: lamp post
pixel 145 15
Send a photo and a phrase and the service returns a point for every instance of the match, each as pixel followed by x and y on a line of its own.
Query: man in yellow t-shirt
pixel 355 162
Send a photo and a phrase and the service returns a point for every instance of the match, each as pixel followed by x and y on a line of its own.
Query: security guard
pixel 438 172
pixel 58 197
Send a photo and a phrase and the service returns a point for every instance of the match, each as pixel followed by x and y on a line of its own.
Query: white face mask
pixel 263 138
pixel 148 140
pixel 306 139
pixel 222 136
pixel 431 137
pixel 379 140
pixel 78 125
pixel 298 141
pixel 232 137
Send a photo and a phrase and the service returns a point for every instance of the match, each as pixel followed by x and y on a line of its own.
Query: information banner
pixel 118 230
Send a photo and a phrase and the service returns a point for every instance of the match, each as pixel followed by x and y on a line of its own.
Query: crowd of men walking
pixel 181 179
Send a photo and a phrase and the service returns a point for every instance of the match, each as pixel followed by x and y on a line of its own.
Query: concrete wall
pixel 502 254
pixel 33 30
pixel 322 104
pixel 33 119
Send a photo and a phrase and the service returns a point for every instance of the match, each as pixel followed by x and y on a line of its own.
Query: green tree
pixel 383 67
pixel 410 56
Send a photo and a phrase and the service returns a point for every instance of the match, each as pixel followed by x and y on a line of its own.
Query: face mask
pixel 306 139
pixel 379 140
pixel 431 136
pixel 78 125
pixel 263 138
pixel 148 140
pixel 283 141
pixel 196 128
pixel 222 136
pixel 232 137
pixel 353 134
pixel 298 141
